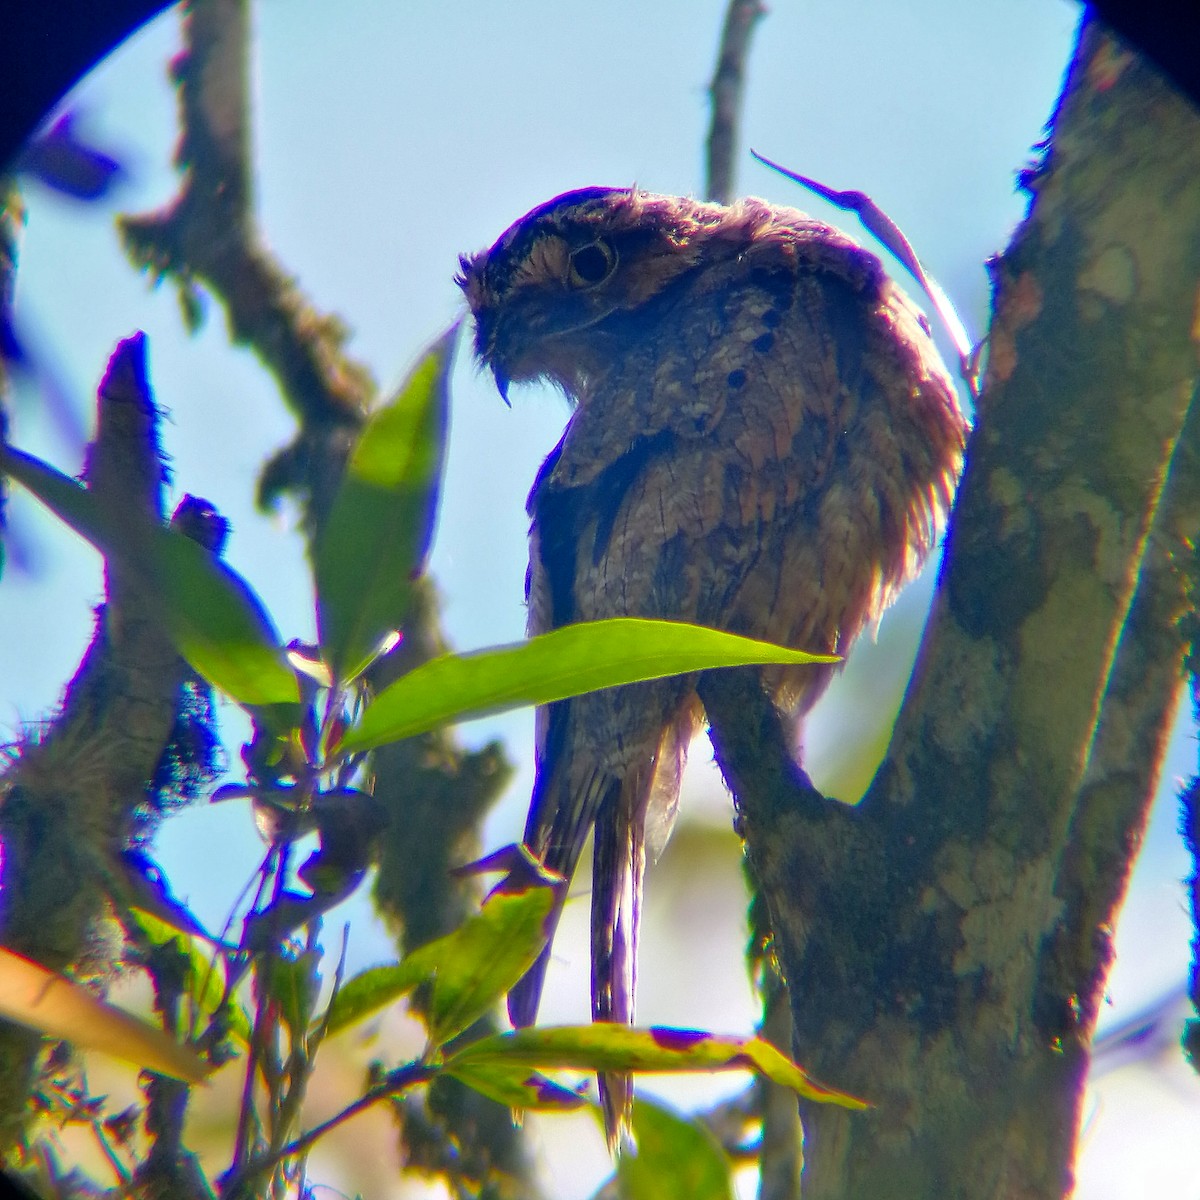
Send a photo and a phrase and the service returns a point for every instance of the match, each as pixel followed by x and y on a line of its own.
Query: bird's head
pixel 563 293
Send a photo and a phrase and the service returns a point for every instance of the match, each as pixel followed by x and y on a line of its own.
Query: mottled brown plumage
pixel 764 441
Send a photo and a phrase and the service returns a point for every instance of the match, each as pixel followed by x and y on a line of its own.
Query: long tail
pixel 567 794
pixel 526 994
pixel 578 784
pixel 619 863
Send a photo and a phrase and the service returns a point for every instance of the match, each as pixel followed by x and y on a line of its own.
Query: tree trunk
pixel 946 942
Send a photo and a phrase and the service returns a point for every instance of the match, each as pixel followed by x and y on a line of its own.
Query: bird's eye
pixel 591 264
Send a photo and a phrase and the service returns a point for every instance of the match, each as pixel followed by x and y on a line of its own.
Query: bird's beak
pixel 486 352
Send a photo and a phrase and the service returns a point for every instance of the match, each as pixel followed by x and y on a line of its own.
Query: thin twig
pixel 339 974
pixel 246 1110
pixel 106 1148
pixel 726 89
pixel 781 1155
pixel 400 1080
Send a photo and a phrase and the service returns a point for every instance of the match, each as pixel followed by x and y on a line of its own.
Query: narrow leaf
pixel 475 965
pixel 609 1047
pixel 376 539
pixel 68 499
pixel 42 1000
pixel 220 624
pixel 370 990
pixel 891 236
pixel 468 970
pixel 566 662
pixel 292 981
pixel 217 622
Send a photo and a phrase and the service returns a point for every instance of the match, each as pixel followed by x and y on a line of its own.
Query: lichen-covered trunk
pixel 946 942
pixel 69 800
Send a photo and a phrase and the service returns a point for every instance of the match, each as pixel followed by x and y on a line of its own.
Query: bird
pixel 763 440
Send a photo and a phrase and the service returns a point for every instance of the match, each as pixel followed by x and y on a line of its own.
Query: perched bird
pixel 764 440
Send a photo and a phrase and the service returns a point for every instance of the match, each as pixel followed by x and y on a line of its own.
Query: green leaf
pixel 677 1159
pixel 220 625
pixel 566 662
pixel 518 1087
pixel 376 539
pixel 468 970
pixel 609 1047
pixel 217 622
pixel 375 988
pixel 205 974
pixel 476 964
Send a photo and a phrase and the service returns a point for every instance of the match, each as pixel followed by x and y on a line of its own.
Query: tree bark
pixel 69 800
pixel 946 942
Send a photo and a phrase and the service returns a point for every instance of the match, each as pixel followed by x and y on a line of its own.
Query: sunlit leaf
pixel 376 539
pixel 42 1000
pixel 480 961
pixel 217 622
pixel 518 1087
pixel 566 662
pixel 677 1159
pixel 610 1047
pixel 468 970
pixel 366 993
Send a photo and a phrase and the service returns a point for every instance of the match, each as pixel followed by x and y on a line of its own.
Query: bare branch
pixel 726 89
pixel 209 234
